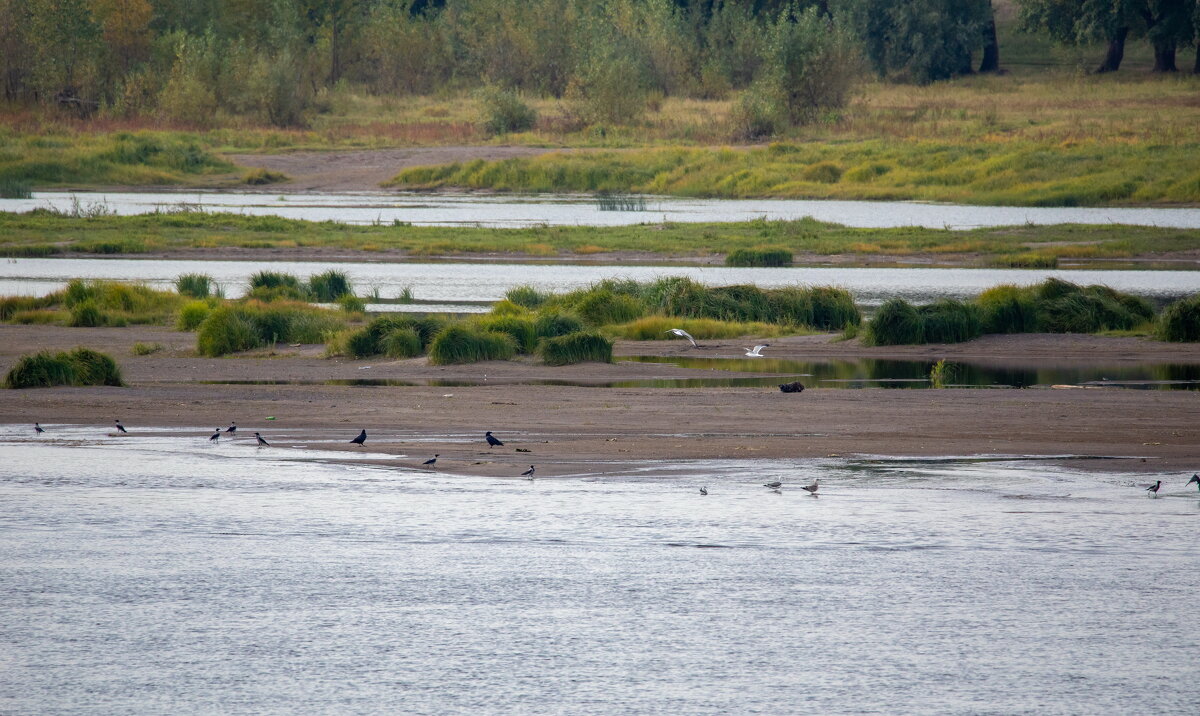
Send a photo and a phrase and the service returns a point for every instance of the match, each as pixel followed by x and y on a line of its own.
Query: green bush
pixel 823 172
pixel 196 285
pixel 460 343
pixel 526 296
pixel 833 308
pixel 1008 309
pixel 522 330
pixel 550 324
pixel 329 286
pixel 363 343
pixel 274 279
pixel 86 314
pixel 192 314
pixel 81 366
pixel 226 330
pixel 761 257
pixel 601 307
pixel 576 348
pixel 352 304
pixel 503 111
pixel 1180 321
pixel 950 321
pixel 240 327
pixel 896 323
pixel 402 343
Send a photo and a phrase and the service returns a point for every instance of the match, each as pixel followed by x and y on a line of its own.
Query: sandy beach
pixel 568 428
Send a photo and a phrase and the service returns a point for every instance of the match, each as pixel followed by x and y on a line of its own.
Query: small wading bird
pixel 121 428
pixel 1154 488
pixel 773 485
pixel 1195 479
pixel 756 351
pixel 703 490
pixel 528 474
pixel 260 440
pixel 431 461
pixel 362 438
pixel 811 489
pixel 215 436
pixel 683 334
pixel 38 429
pixel 492 440
pixel 231 429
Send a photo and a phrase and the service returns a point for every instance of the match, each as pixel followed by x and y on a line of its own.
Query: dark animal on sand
pixel 793 387
pixel 362 438
pixel 492 440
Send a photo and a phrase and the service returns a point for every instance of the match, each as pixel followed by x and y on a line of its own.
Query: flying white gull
pixel 756 351
pixel 682 334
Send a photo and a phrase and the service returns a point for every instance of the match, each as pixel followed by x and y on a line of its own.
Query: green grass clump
pixel 113 303
pixel 1180 321
pixel 12 305
pixel 576 348
pixel 110 246
pixel 239 327
pixel 12 188
pixel 402 343
pixel 462 343
pixel 1064 307
pixel 351 304
pixel 1008 309
pixel 81 366
pixel 526 296
pixel 370 340
pixel 550 324
pixel 758 258
pixel 896 323
pixel 950 321
pixel 260 176
pixel 194 285
pixel 329 286
pixel 274 279
pixel 1027 260
pixel 833 308
pixel 601 306
pixel 192 314
pixel 522 330
pixel 86 314
pixel 145 349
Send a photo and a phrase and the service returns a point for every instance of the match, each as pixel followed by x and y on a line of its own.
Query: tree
pixel 64 39
pixel 991 44
pixel 1166 23
pixel 125 25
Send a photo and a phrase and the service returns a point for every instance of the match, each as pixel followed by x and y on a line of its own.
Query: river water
pixel 455 286
pixel 512 211
pixel 161 574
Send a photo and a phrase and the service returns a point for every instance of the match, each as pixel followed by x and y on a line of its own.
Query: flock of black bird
pixel 361 439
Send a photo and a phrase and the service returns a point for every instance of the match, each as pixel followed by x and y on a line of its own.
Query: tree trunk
pixel 1116 51
pixel 1196 64
pixel 1164 57
pixel 991 48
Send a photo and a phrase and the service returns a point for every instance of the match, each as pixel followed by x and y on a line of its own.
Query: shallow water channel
pixel 468 287
pixel 513 211
pixel 158 573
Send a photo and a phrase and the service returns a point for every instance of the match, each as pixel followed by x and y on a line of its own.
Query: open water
pixel 161 574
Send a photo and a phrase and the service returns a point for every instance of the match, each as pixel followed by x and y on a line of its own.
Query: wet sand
pixel 566 429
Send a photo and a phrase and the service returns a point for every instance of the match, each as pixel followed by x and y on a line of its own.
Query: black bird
pixel 261 441
pixel 528 473
pixel 362 437
pixel 231 429
pixel 431 461
pixel 773 485
pixel 1195 479
pixel 1154 488
pixel 39 430
pixel 703 490
pixel 215 436
pixel 492 440
pixel 121 428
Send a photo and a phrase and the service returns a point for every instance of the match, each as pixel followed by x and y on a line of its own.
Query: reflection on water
pixel 514 211
pixel 162 574
pixel 455 285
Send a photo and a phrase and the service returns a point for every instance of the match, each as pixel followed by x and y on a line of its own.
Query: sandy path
pixel 365 170
pixel 568 429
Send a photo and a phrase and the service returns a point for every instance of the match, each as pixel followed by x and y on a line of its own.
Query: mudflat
pixel 566 429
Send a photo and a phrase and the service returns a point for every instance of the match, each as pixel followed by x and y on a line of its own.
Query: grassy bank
pixel 44 233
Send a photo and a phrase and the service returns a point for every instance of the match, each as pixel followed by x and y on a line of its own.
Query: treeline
pixel 272 61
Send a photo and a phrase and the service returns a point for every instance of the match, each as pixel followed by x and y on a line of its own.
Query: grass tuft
pixel 576 348
pixel 194 285
pixel 81 366
pixel 461 343
pixel 1180 321
pixel 759 258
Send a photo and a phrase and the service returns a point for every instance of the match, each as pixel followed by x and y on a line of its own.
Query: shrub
pixel 761 257
pixel 196 285
pixel 402 343
pixel 460 343
pixel 550 324
pixel 526 296
pixel 362 343
pixel 503 111
pixel 522 330
pixel 81 366
pixel 1180 321
pixel 611 90
pixel 896 323
pixel 226 330
pixel 329 286
pixel 950 321
pixel 192 314
pixel 576 348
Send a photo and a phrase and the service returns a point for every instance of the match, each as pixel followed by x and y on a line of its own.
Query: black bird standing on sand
pixel 1195 479
pixel 492 440
pixel 38 429
pixel 703 490
pixel 215 436
pixel 431 461
pixel 528 473
pixel 260 440
pixel 1154 488
pixel 231 429
pixel 121 428
pixel 362 437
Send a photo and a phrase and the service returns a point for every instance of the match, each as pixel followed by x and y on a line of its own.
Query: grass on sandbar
pixel 573 348
pixel 81 366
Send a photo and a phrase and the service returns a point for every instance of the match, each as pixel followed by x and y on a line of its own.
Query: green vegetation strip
pixel 45 233
pixel 81 366
pixel 1008 173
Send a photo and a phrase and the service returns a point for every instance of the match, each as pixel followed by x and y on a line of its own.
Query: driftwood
pixel 793 387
